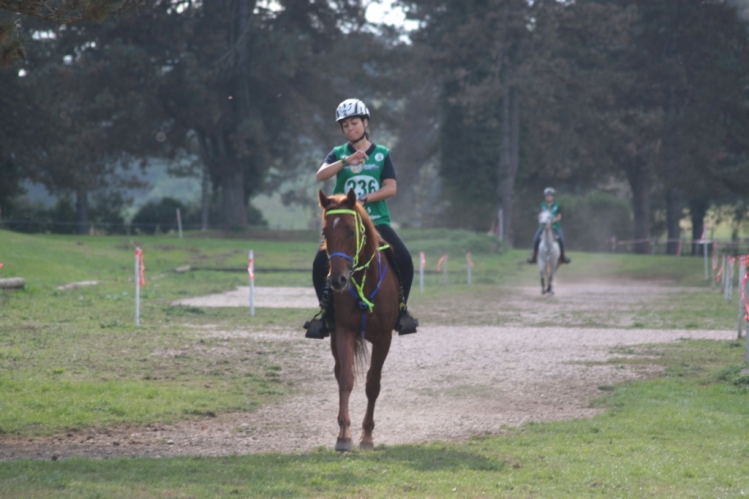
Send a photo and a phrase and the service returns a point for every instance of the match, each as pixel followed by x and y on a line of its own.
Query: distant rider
pixel 555 209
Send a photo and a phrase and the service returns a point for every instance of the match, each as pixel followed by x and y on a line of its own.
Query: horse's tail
pixel 361 357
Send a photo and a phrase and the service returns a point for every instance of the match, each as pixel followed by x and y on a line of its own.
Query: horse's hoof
pixel 366 445
pixel 344 445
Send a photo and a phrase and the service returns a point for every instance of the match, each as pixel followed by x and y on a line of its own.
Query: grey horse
pixel 548 254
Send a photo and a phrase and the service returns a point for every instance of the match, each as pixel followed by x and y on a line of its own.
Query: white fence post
pixel 179 223
pixel 138 260
pixel 422 264
pixel 251 272
pixel 704 252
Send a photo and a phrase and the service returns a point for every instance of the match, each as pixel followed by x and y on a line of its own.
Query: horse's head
pixel 344 236
pixel 545 218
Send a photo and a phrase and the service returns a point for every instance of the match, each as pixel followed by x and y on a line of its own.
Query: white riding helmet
pixel 350 108
pixel 548 191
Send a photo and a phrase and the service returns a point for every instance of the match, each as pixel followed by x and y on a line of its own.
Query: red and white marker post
pixel 469 266
pixel 443 259
pixel 251 272
pixel 742 292
pixel 422 264
pixel 140 280
pixel 745 302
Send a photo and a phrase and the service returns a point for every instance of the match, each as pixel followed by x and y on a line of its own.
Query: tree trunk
pixel 674 206
pixel 205 199
pixel 233 206
pixel 508 157
pixel 639 175
pixel 81 211
pixel 697 210
pixel 218 156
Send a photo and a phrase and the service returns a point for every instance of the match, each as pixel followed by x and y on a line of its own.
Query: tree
pixel 658 81
pixel 56 11
pixel 249 84
pixel 478 48
pixel 96 94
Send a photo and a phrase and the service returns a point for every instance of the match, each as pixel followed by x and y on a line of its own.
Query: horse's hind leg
pixel 380 351
pixel 543 286
pixel 343 346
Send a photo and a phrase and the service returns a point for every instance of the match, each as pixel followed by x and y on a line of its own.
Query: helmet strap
pixel 364 135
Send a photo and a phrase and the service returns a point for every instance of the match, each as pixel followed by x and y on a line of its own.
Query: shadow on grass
pixel 266 474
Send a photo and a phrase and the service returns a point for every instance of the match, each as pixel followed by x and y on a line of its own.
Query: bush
pixel 158 216
pixel 455 242
pixel 24 216
pixel 589 221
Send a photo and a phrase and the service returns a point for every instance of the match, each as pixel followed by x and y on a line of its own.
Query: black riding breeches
pixel 405 268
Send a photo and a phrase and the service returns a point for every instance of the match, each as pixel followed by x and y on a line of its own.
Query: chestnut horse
pixel 365 301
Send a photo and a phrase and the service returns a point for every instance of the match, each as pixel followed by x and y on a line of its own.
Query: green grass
pixel 81 345
pixel 679 435
pixel 73 359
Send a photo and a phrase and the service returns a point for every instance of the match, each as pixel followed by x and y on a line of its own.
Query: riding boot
pixel 407 323
pixel 534 257
pixel 323 323
pixel 562 258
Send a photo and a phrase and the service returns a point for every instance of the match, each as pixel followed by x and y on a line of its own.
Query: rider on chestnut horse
pixel 366 168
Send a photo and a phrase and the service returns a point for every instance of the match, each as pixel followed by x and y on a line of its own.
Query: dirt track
pixel 440 384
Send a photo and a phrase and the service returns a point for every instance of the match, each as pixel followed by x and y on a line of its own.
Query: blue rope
pixel 362 305
pixel 342 255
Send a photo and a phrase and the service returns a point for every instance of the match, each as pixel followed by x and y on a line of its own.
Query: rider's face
pixel 549 199
pixel 353 128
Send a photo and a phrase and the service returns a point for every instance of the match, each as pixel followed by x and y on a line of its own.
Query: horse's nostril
pixel 338 282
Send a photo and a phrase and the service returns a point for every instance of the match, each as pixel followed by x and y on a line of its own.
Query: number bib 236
pixel 364 178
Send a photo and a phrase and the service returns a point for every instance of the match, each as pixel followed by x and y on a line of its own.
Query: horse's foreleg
pixel 543 285
pixel 344 346
pixel 380 351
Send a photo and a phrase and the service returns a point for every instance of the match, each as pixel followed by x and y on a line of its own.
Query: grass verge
pixel 680 435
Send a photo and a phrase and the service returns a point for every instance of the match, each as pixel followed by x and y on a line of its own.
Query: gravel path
pixel 443 383
pixel 264 297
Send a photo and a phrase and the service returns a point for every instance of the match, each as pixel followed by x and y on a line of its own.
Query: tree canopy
pixel 487 103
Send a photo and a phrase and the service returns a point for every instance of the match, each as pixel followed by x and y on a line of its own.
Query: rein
pixel 357 289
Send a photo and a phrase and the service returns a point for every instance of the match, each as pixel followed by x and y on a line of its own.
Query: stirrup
pixel 406 324
pixel 317 329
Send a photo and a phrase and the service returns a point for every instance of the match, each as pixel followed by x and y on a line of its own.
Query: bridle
pixel 361 239
pixel 357 289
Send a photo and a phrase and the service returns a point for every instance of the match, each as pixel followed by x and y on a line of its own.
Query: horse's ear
pixel 351 198
pixel 324 200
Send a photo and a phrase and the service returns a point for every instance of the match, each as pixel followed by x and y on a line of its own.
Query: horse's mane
pixel 373 236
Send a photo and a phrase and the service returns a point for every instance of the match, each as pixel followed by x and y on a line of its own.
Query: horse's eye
pixel 351 233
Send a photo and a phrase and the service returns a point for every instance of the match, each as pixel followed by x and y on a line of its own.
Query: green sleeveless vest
pixel 554 209
pixel 364 178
